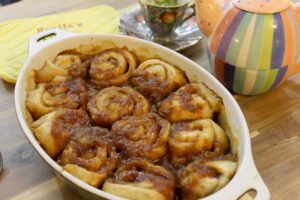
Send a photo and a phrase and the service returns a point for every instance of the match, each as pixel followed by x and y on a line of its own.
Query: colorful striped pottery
pixel 251 53
pixel 262 6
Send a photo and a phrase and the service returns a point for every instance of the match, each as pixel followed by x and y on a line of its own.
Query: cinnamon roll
pixel 112 67
pixel 114 103
pixel 190 102
pixel 143 136
pixel 63 65
pixel 90 155
pixel 138 179
pixel 157 79
pixel 54 130
pixel 61 92
pixel 200 179
pixel 191 139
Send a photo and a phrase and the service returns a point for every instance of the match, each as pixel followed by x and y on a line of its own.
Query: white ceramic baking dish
pixel 246 177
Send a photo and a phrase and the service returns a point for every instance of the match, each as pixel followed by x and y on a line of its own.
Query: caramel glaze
pixel 143 136
pixel 180 170
pixel 65 125
pixel 210 156
pixel 137 170
pixel 92 90
pixel 218 148
pixel 113 103
pixel 75 88
pixel 112 67
pixel 92 149
pixel 78 70
pixel 152 87
pixel 200 170
pixel 192 101
pixel 186 98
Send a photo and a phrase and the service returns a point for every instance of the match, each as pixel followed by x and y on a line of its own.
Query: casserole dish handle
pixel 39 40
pixel 248 179
pixel 251 180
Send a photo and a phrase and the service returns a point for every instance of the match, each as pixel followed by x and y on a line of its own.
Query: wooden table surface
pixel 273 118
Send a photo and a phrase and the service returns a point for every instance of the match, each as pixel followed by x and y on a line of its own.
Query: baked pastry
pixel 61 92
pixel 90 155
pixel 54 130
pixel 138 179
pixel 63 65
pixel 191 139
pixel 143 136
pixel 112 67
pixel 200 179
pixel 113 103
pixel 190 102
pixel 136 131
pixel 157 79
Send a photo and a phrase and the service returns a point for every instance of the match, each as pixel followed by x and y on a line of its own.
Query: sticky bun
pixel 136 130
pixel 191 139
pixel 201 178
pixel 63 65
pixel 54 130
pixel 190 102
pixel 90 155
pixel 113 103
pixel 143 136
pixel 140 179
pixel 61 92
pixel 112 67
pixel 157 79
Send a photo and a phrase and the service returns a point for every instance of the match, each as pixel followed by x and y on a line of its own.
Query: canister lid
pixel 262 6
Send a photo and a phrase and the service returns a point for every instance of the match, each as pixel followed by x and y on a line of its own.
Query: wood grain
pixel 274 118
pixel 55 190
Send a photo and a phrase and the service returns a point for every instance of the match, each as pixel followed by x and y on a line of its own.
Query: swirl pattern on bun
pixel 191 139
pixel 143 136
pixel 140 179
pixel 90 154
pixel 113 103
pixel 190 102
pixel 157 79
pixel 61 92
pixel 112 67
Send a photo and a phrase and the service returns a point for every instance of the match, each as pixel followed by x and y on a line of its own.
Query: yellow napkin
pixel 14 34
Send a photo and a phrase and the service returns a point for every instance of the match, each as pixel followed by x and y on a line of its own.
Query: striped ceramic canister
pixel 251 52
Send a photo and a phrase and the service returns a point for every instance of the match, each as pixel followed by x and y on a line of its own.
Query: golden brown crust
pixel 91 148
pixel 141 173
pixel 61 92
pixel 192 139
pixel 157 79
pixel 200 179
pixel 63 65
pixel 190 102
pixel 92 178
pixel 113 103
pixel 112 67
pixel 55 129
pixel 143 136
